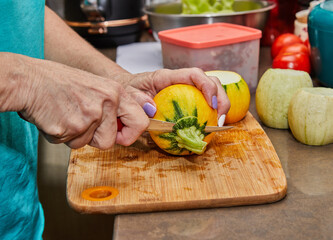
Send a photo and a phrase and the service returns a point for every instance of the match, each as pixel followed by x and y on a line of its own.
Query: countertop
pixel 305 213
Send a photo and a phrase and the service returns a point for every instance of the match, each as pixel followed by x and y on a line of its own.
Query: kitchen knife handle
pixel 120 125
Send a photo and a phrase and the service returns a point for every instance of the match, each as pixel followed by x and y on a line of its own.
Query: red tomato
pixel 283 40
pixel 296 61
pixel 295 48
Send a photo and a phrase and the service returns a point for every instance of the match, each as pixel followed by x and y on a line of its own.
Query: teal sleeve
pixel 21 214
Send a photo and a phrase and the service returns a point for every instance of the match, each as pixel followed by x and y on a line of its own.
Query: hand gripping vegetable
pixel 186 106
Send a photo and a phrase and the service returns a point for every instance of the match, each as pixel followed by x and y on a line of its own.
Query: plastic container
pixel 320 29
pixel 217 46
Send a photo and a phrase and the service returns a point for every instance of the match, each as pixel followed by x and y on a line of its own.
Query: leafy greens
pixel 206 6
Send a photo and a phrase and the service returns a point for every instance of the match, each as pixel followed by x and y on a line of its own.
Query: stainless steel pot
pixel 168 15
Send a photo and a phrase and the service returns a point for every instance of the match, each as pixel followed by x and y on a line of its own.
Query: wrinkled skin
pixel 76 107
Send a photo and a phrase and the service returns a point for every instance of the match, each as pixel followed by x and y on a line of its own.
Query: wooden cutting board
pixel 239 167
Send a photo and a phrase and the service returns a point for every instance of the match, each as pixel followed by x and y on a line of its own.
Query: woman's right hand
pixel 76 107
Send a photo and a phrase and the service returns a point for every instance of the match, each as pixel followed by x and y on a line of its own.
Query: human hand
pixel 144 86
pixel 77 108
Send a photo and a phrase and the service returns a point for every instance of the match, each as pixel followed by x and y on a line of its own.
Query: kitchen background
pixel 61 221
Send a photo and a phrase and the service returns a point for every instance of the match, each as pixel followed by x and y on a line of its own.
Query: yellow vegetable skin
pixel 186 106
pixel 238 93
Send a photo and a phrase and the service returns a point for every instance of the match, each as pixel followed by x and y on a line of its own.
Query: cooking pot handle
pixel 93 11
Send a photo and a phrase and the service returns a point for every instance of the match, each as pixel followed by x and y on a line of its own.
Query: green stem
pixel 192 139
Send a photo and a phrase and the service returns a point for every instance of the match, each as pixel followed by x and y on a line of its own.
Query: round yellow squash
pixel 185 106
pixel 238 93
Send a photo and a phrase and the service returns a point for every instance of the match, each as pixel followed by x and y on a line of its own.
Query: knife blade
pixel 162 126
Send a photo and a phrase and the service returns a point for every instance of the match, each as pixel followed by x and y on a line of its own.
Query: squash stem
pixel 192 139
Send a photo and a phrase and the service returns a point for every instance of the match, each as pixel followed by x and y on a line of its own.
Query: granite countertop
pixel 305 213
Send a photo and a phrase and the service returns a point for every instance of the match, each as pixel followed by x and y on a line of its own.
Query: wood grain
pixel 239 167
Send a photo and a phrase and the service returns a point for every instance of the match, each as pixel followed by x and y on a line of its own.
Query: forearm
pixel 16 74
pixel 64 45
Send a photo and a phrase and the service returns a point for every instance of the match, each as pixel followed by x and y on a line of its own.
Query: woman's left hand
pixel 144 86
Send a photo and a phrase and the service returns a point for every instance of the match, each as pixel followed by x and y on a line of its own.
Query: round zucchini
pixel 185 106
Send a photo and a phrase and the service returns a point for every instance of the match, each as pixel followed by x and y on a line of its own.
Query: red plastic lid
pixel 209 35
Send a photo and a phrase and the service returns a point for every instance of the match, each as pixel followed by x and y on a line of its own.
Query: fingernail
pixel 149 109
pixel 214 102
pixel 220 122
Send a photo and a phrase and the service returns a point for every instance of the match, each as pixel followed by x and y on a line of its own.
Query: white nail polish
pixel 220 122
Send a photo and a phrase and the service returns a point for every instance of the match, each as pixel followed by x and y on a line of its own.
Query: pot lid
pixel 209 35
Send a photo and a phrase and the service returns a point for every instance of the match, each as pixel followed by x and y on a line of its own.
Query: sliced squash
pixel 238 93
pixel 275 89
pixel 310 116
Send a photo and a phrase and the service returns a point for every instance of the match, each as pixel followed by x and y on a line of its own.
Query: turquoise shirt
pixel 21 214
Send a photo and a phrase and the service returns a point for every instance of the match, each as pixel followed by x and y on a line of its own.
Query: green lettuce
pixel 206 6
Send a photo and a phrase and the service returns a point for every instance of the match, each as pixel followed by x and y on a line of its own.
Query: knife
pixel 162 126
